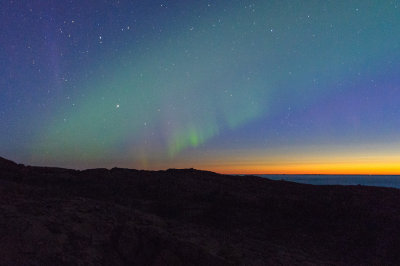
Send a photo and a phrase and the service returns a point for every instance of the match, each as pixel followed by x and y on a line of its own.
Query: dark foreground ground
pixel 51 216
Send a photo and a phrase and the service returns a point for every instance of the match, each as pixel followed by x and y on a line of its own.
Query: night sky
pixel 229 86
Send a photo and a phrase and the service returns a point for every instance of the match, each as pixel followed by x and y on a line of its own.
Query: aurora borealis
pixel 229 86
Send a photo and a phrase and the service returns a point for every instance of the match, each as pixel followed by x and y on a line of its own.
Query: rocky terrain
pixel 54 216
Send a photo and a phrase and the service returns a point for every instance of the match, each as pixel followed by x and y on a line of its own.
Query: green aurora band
pixel 206 76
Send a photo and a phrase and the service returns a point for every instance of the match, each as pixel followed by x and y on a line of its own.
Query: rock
pixel 55 216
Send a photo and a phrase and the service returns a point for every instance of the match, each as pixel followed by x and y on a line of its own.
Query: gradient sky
pixel 229 86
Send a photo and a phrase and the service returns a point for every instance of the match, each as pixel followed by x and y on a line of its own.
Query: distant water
pixel 364 180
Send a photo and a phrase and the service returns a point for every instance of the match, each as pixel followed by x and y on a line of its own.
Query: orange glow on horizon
pixel 328 169
pixel 357 162
pixel 366 159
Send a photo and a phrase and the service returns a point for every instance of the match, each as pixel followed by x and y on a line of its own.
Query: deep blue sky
pixel 231 86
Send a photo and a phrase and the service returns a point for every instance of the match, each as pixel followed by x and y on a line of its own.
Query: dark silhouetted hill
pixel 54 216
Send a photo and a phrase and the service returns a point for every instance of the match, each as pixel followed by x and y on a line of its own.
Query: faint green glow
pixel 190 137
pixel 232 67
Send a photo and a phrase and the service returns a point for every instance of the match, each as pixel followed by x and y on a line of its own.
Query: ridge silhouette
pixel 56 216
